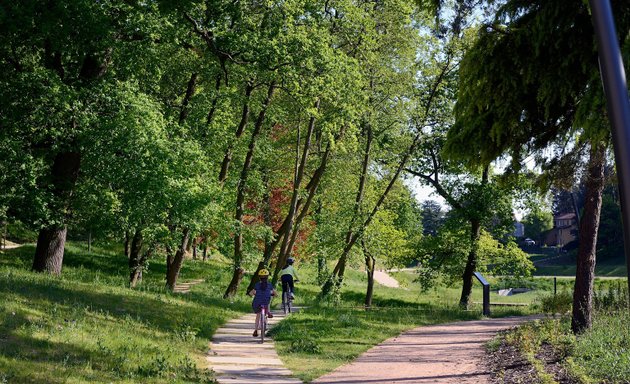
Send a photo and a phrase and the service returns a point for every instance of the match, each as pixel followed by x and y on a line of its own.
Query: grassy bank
pixel 599 355
pixel 88 327
pixel 327 335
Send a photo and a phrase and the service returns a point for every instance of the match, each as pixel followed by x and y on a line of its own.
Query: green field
pixel 327 335
pixel 88 327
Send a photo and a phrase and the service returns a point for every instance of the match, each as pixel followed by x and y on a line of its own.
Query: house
pixel 565 230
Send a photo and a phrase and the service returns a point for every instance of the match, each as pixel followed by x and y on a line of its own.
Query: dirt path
pixel 185 287
pixel 8 245
pixel 448 353
pixel 383 278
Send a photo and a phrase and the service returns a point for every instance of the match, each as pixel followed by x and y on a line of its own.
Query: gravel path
pixel 383 278
pixel 448 353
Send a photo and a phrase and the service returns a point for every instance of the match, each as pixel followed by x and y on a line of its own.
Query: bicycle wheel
pixel 263 324
pixel 289 300
pixel 285 301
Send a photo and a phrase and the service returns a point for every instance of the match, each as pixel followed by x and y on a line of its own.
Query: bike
pixel 287 300
pixel 262 322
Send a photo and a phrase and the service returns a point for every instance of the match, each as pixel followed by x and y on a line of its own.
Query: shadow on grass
pixel 156 312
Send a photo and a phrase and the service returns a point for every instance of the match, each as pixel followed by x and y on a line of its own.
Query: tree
pixel 537 222
pixel 57 93
pixel 432 217
pixel 383 240
pixel 554 93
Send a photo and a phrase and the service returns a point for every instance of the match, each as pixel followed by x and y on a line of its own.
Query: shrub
pixel 558 303
pixel 306 345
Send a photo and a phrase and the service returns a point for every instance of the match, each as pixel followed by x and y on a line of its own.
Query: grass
pixel 603 353
pixel 612 267
pixel 599 355
pixel 569 270
pixel 329 334
pixel 88 327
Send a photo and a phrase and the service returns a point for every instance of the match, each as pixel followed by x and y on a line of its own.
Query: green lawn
pixel 605 270
pixel 88 327
pixel 327 335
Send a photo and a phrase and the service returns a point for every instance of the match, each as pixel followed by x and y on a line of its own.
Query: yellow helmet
pixel 263 273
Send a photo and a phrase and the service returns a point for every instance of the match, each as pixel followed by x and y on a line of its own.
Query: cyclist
pixel 288 276
pixel 262 293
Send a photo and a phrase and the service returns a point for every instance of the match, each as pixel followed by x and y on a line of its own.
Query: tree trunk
pixel 471 264
pixel 126 244
pixel 194 249
pixel 240 197
pixel 52 239
pixel 300 166
pixel 213 108
pixel 135 265
pixel 369 267
pixel 237 276
pixel 337 276
pixel 270 243
pixel 589 225
pixel 50 249
pixel 339 270
pixel 205 252
pixel 190 91
pixel 177 261
pixel 227 158
pixel 136 275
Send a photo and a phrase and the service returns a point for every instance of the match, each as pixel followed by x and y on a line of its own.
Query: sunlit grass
pixel 87 326
pixel 332 333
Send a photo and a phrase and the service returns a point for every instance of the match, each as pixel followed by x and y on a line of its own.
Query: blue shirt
pixel 263 296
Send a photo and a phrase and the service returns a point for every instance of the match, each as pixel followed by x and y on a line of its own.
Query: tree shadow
pixel 156 311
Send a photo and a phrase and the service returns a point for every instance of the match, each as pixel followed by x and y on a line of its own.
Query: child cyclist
pixel 288 276
pixel 262 293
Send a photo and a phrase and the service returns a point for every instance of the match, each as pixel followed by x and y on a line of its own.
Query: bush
pixel 307 345
pixel 559 303
pixel 603 352
pixel 611 296
pixel 20 233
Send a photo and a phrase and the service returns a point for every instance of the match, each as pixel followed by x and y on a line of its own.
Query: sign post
pixel 486 293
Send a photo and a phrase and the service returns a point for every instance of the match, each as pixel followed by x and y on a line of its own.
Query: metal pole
pixel 486 293
pixel 615 88
pixel 486 300
pixel 555 285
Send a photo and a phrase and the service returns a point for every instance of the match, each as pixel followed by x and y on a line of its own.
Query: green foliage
pixel 536 223
pixel 390 245
pixel 561 302
pixel 445 255
pixel 609 234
